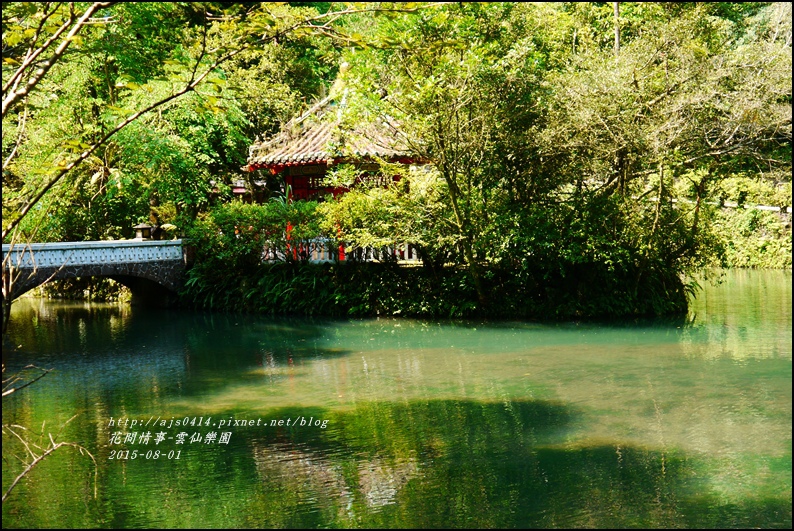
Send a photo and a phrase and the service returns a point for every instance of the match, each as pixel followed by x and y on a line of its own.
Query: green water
pixel 666 423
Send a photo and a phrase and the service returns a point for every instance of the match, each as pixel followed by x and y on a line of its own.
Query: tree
pixel 558 154
pixel 696 92
pixel 413 210
pixel 460 83
pixel 37 37
pixel 74 82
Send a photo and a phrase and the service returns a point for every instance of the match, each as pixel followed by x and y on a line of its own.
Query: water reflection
pixel 376 482
pixel 466 464
pixel 429 424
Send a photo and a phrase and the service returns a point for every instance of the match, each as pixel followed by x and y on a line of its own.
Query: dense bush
pixel 754 238
pixel 570 272
pixel 370 289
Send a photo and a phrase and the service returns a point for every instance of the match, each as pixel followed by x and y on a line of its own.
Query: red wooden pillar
pixel 290 247
pixel 341 245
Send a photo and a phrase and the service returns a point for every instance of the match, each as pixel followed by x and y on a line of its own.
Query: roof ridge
pixel 329 138
pixel 313 110
pixel 285 129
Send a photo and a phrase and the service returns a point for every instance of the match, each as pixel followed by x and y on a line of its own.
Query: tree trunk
pixel 467 240
pixel 617 28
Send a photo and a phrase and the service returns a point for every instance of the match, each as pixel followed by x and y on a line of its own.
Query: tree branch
pixel 9 98
pixel 191 85
pixel 7 390
pixel 31 55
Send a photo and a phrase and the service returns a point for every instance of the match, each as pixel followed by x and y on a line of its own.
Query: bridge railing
pixel 319 250
pixel 323 250
pixel 40 255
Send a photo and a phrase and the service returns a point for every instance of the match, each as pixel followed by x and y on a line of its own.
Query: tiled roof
pixel 319 137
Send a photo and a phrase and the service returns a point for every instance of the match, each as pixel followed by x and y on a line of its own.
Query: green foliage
pixel 413 210
pixel 567 176
pixel 231 241
pixel 160 164
pixel 583 290
pixel 236 233
pixel 145 35
pixel 520 142
pixel 140 56
pixel 556 270
pixel 89 289
pixel 754 238
pixel 175 154
pixel 744 190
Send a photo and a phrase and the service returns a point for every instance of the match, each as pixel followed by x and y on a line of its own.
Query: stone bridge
pixel 151 269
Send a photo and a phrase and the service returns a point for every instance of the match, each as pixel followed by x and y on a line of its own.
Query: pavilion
pixel 310 145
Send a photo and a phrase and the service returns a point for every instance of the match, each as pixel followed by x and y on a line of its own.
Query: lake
pixel 211 420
